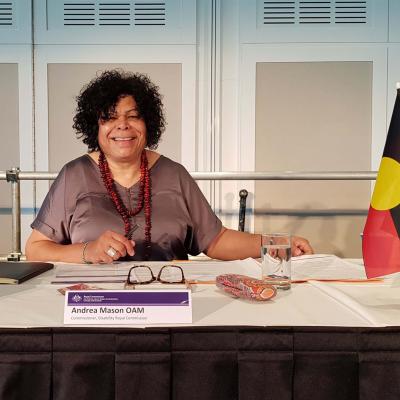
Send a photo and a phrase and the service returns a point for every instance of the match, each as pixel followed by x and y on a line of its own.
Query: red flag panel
pixel 381 244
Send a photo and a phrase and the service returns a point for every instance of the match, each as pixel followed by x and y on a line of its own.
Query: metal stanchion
pixel 12 176
pixel 242 209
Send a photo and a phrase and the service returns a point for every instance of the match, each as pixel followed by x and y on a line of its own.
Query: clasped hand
pixel 108 247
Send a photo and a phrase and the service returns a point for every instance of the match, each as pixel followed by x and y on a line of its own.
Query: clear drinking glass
pixel 276 254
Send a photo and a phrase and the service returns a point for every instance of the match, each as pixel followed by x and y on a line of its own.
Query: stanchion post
pixel 12 176
pixel 242 209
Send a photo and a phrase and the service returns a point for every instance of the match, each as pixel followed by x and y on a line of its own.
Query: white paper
pixel 67 273
pixel 323 266
pixel 118 272
pixel 209 270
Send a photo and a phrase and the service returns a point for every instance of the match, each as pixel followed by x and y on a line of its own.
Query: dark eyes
pixel 113 117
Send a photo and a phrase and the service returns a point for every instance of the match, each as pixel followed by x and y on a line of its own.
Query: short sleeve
pixel 205 224
pixel 51 220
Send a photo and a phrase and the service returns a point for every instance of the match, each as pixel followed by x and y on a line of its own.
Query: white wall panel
pixel 314 116
pixel 251 54
pixel 15 22
pixel 263 21
pixel 229 118
pixel 9 150
pixel 21 55
pixel 204 124
pixel 115 21
pixel 394 21
pixel 393 77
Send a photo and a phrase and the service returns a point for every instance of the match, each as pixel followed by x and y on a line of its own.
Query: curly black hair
pixel 99 98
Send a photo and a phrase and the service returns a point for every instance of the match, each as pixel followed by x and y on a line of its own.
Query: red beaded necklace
pixel 144 198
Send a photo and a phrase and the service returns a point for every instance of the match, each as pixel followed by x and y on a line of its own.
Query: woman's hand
pixel 108 247
pixel 301 246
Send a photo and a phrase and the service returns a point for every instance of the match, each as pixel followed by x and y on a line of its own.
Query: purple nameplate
pixel 127 298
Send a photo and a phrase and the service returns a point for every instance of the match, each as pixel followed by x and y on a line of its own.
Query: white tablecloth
pixel 37 303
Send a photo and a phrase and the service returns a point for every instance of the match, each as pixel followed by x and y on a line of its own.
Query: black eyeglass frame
pixel 153 278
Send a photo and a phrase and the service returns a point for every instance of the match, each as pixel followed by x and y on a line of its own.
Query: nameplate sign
pixel 128 307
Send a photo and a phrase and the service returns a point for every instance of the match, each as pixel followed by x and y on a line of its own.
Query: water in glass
pixel 276 264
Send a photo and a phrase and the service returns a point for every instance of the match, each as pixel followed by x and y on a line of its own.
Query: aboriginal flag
pixel 381 238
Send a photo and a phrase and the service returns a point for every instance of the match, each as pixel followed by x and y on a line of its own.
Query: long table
pixel 316 341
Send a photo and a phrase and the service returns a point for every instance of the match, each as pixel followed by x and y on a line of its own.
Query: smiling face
pixel 122 137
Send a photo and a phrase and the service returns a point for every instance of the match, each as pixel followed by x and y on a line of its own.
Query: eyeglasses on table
pixel 143 274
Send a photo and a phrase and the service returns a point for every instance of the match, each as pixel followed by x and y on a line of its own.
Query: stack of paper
pixel 326 267
pixel 197 272
pixel 320 267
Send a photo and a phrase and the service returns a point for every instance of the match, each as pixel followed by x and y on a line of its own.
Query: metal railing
pixel 14 176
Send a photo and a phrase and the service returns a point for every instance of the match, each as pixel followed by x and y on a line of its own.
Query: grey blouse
pixel 78 209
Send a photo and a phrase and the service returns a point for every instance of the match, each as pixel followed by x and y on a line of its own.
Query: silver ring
pixel 111 252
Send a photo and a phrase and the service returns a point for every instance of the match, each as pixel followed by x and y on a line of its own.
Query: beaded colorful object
pixel 144 198
pixel 245 287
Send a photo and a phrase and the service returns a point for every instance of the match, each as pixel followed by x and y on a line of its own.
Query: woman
pixel 122 200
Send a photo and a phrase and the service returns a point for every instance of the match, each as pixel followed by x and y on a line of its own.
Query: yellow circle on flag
pixel 387 188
